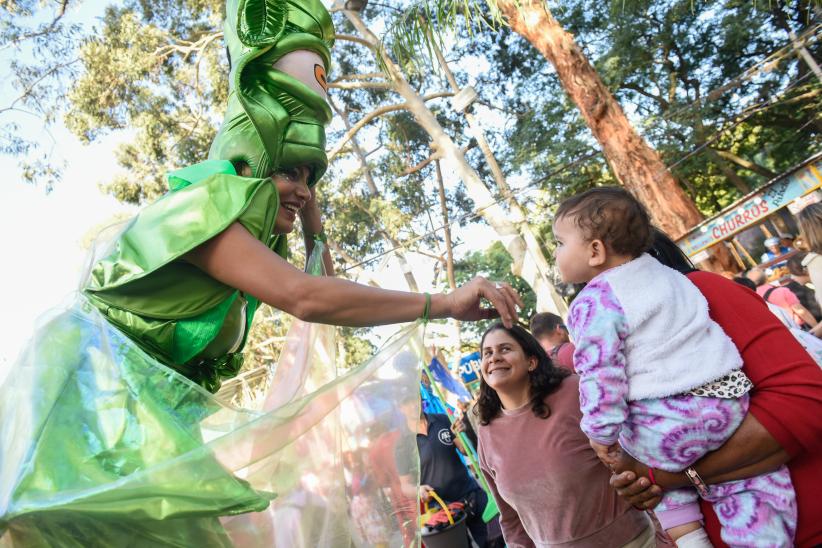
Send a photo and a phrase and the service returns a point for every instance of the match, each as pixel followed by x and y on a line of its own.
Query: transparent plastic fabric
pixel 102 445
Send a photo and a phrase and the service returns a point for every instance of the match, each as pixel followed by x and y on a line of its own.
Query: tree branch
pixel 355 39
pixel 30 88
pixel 664 105
pixel 746 164
pixel 360 85
pixel 374 114
pixel 365 76
pixel 415 168
pixel 186 48
pixel 438 258
pixel 435 156
pixel 353 264
pixel 47 29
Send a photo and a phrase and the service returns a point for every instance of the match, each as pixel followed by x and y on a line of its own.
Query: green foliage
pixel 419 27
pixel 354 348
pixel 38 47
pixel 672 64
pixel 167 84
pixel 495 264
pixel 156 69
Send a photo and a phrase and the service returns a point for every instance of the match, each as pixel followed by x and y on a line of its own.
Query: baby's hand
pixel 608 454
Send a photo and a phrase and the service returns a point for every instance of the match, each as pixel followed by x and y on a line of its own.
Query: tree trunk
pixel 538 262
pixel 353 265
pixel 528 259
pixel 634 163
pixel 449 247
pixel 407 271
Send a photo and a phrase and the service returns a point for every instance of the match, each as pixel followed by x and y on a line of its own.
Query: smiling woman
pixel 545 477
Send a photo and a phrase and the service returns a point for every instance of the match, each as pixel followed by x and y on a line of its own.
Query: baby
pixel 657 375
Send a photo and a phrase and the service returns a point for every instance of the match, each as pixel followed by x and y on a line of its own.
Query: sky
pixel 42 235
pixel 43 232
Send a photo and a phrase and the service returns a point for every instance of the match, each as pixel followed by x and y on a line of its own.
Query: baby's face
pixel 572 253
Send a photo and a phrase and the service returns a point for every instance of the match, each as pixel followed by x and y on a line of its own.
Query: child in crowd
pixel 657 375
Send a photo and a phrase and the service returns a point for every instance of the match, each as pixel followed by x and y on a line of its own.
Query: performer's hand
pixel 310 214
pixel 465 301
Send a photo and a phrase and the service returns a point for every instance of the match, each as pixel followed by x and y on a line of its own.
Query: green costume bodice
pixel 173 310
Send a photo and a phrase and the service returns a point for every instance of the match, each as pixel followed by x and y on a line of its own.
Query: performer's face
pixel 292 185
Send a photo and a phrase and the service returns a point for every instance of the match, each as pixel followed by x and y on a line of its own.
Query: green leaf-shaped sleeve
pixel 144 274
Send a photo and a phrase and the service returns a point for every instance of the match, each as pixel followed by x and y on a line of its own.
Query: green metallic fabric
pixel 273 120
pixel 169 307
pixel 102 446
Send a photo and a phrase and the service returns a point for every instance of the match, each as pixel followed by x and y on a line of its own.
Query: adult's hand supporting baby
pixel 630 481
pixel 751 451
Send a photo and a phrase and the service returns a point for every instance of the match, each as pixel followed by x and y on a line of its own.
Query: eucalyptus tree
pixel 632 161
pixel 514 231
pixel 716 87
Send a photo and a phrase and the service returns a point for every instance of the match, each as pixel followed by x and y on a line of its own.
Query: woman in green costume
pixel 101 424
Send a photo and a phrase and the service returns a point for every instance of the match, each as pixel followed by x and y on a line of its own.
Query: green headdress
pixel 273 119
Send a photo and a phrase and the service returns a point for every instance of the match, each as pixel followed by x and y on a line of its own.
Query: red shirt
pixel 787 394
pixel 563 355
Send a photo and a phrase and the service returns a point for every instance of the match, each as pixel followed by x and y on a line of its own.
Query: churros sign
pixel 754 207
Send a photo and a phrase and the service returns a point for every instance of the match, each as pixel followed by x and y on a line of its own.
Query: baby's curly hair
pixel 613 215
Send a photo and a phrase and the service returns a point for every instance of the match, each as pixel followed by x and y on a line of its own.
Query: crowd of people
pixel 668 389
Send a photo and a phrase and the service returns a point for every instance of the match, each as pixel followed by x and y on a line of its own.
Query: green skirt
pixel 102 445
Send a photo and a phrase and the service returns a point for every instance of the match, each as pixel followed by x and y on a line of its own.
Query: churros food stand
pixel 766 213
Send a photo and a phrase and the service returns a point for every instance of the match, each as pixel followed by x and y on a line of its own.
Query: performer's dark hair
pixel 610 214
pixel 543 380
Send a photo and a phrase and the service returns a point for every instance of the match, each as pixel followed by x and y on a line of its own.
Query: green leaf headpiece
pixel 275 120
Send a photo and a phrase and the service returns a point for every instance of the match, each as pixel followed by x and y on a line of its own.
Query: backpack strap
pixel 768 293
pixel 555 351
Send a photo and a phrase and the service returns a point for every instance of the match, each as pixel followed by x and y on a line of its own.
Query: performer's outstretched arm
pixel 237 259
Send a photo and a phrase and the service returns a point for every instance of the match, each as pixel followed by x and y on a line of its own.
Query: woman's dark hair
pixel 544 379
pixel 741 280
pixel 668 253
pixel 795 264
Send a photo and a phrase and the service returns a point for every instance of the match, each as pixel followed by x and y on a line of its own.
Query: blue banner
pixel 469 365
pixel 448 383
